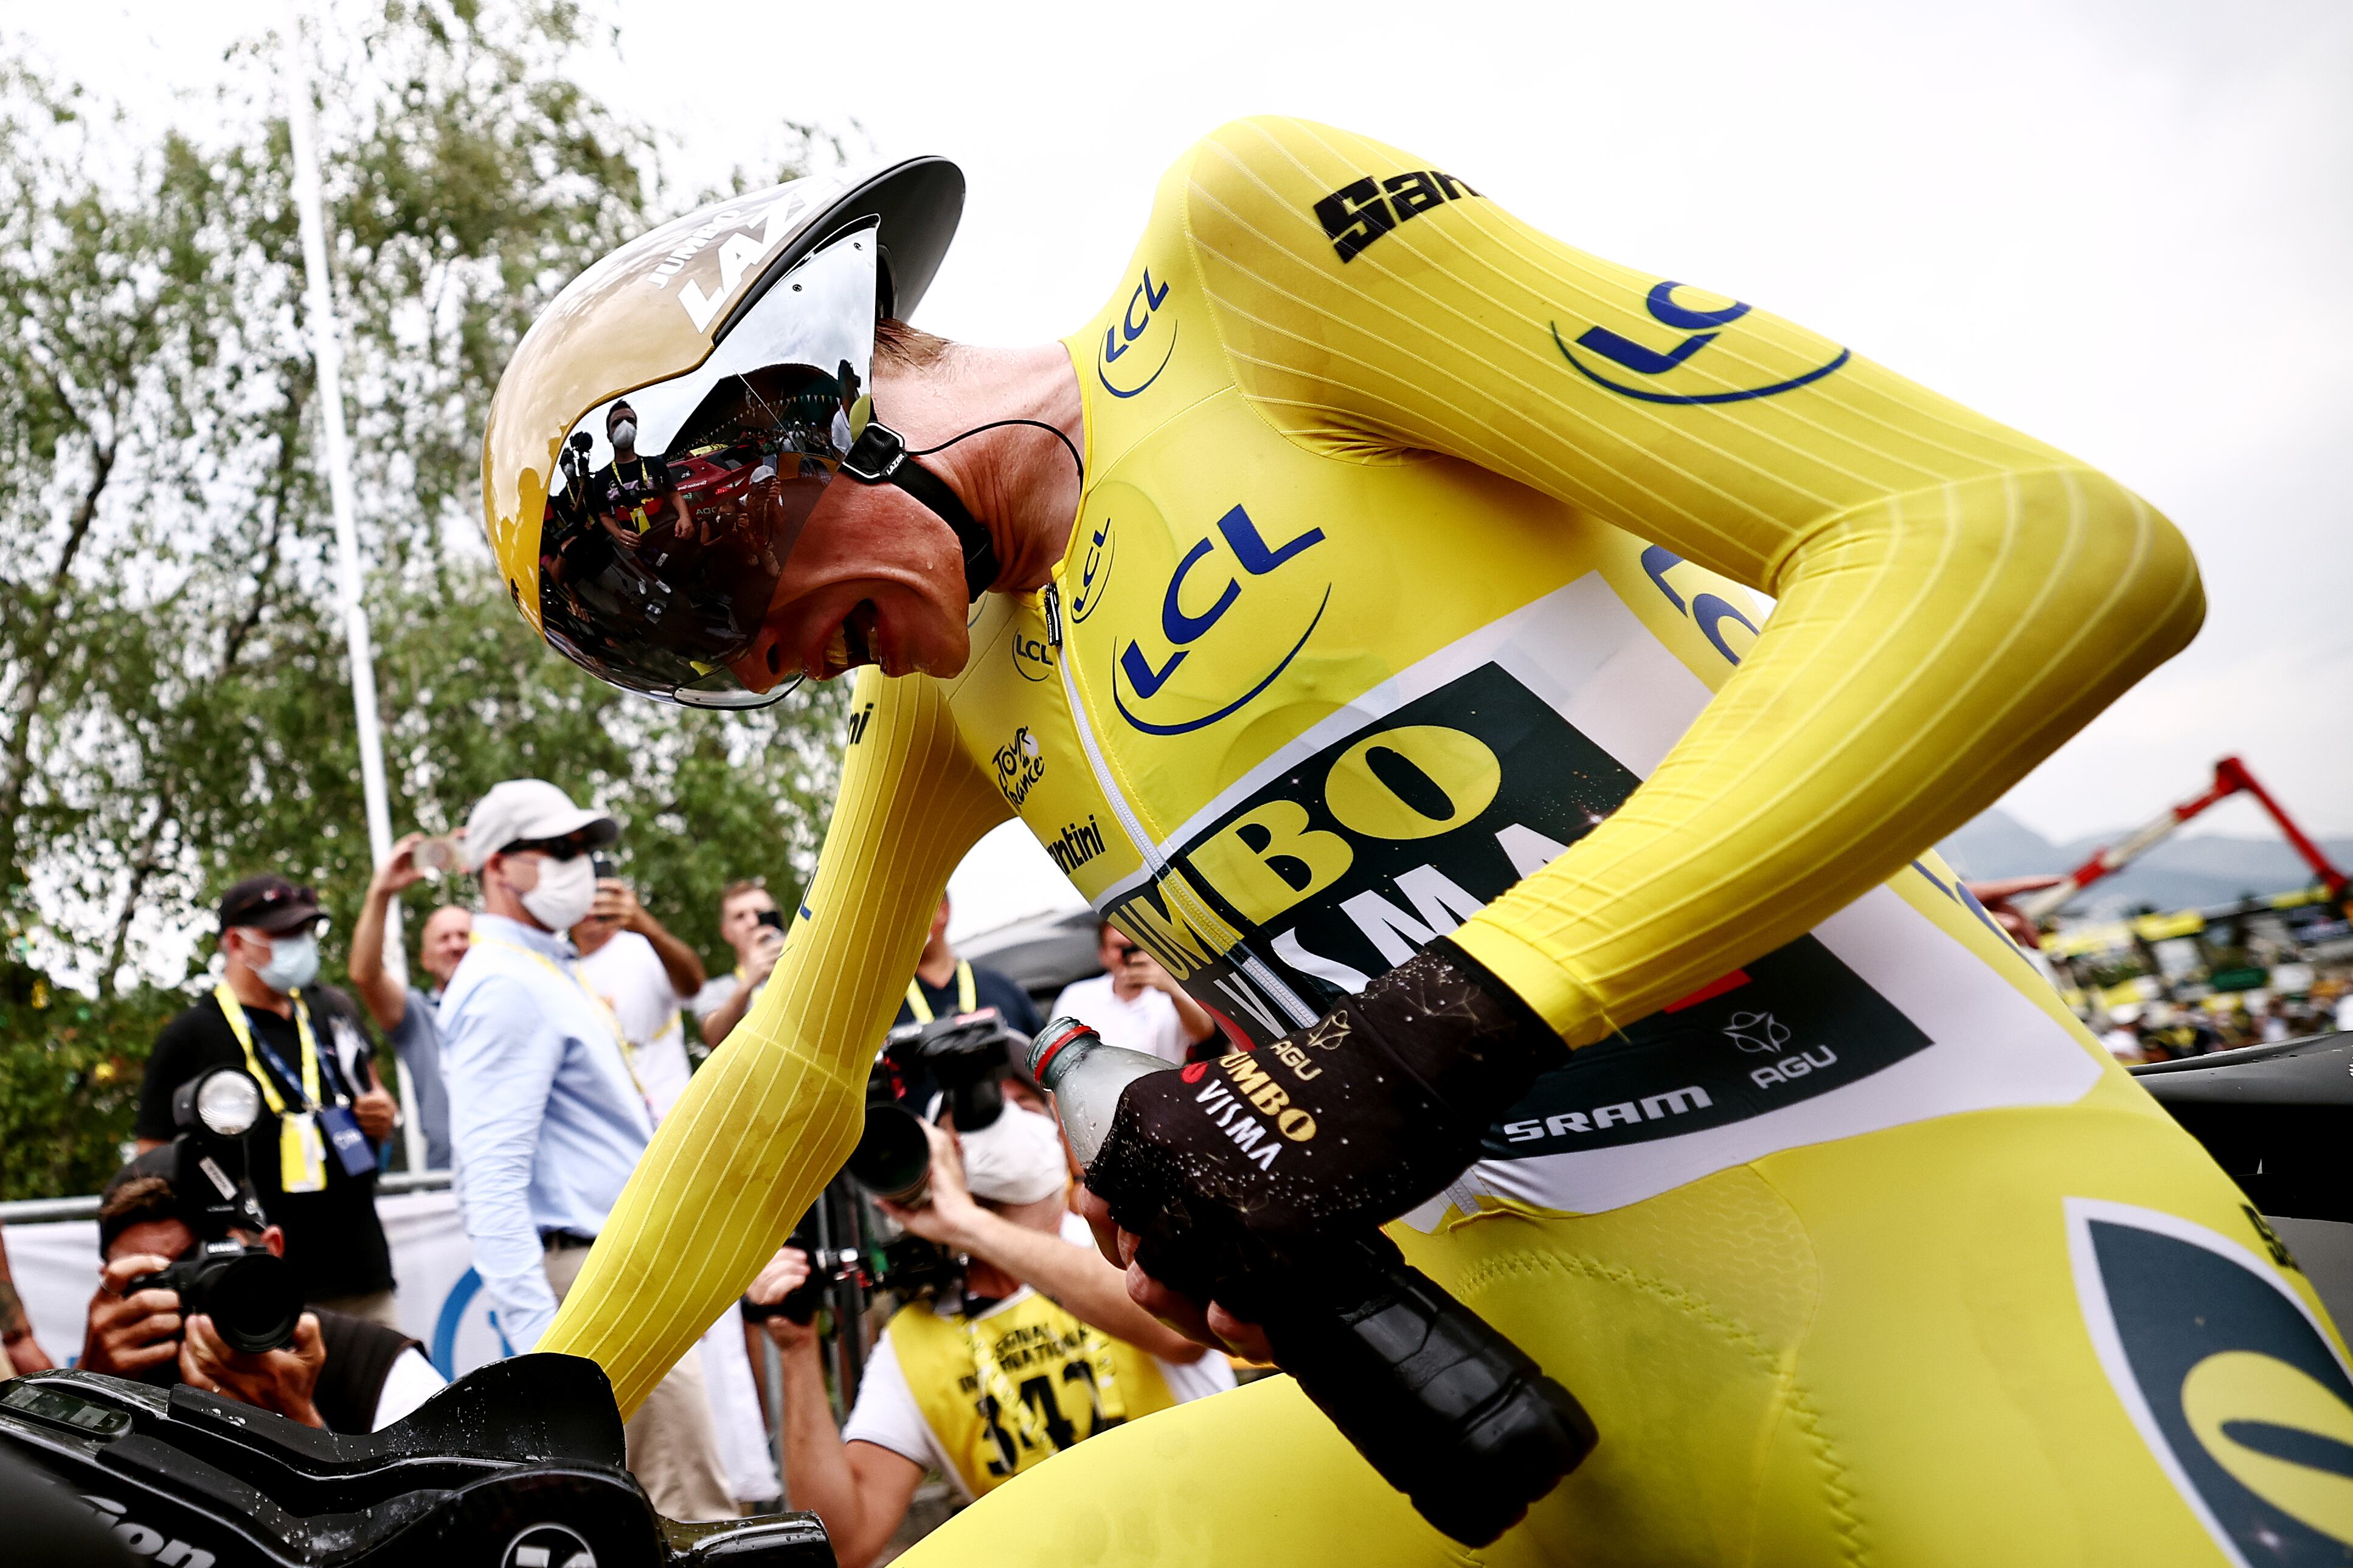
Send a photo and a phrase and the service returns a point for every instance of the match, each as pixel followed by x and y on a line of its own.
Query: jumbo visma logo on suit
pixel 2240 1395
pixel 1356 856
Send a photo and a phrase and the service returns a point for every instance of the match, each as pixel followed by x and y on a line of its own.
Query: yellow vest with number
pixel 1049 1396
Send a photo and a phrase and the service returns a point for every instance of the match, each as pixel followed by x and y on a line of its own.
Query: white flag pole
pixel 327 352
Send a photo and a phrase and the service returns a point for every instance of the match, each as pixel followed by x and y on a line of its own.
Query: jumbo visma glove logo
pixel 2236 1389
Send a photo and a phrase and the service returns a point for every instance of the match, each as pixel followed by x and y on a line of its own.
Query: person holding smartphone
pixel 1137 1004
pixel 646 976
pixel 755 928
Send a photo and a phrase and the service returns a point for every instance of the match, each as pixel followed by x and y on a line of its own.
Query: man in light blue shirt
pixel 546 1120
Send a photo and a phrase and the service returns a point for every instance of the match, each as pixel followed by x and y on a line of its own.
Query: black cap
pixel 268 902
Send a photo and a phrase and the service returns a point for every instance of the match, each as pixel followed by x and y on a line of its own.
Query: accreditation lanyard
pixel 301 1150
pixel 612 1020
pixel 968 994
pixel 638 513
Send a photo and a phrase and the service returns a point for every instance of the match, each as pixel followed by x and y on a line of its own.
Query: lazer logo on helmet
pixel 1209 582
pixel 2228 1376
pixel 1356 215
pixel 742 251
pixel 1133 328
pixel 1667 365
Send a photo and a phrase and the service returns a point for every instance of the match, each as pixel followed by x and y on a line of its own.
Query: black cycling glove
pixel 1329 1132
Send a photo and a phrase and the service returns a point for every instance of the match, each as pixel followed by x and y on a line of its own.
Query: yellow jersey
pixel 1415 591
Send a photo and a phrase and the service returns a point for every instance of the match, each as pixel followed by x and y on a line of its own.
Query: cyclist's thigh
pixel 2020 1306
pixel 1255 1475
pixel 1676 1322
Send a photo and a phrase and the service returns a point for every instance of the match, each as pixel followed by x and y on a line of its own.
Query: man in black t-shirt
pixel 945 985
pixel 269 942
pixel 637 492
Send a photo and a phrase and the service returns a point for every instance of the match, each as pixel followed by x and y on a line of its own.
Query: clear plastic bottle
pixel 1086 1076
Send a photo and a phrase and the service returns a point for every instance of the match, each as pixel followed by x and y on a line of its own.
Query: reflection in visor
pixel 675 507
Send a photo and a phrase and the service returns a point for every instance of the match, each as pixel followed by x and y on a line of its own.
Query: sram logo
pixel 1601 1118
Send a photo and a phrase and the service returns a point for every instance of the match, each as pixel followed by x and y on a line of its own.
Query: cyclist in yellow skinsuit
pixel 1406 619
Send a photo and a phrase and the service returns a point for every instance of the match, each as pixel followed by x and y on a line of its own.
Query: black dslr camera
pixel 249 1291
pixel 963 1060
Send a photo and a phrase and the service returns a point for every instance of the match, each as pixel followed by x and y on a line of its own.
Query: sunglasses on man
pixel 567 848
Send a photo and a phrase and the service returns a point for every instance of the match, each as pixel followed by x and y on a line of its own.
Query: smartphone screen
pixel 773 919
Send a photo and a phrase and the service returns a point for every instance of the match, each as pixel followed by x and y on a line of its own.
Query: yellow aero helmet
pixel 668 424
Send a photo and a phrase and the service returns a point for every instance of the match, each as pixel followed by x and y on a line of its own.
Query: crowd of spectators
pixel 541 1042
pixel 540 1047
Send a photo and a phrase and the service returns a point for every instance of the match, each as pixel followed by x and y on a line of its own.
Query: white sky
pixel 2126 228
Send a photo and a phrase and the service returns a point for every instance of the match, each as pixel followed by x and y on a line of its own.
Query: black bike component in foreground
pixel 517 1465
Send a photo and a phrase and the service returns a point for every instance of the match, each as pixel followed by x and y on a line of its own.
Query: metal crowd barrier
pixel 40 1211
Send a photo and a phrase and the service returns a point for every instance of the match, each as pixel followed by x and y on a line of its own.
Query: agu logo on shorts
pixel 1668 362
pixel 2233 1384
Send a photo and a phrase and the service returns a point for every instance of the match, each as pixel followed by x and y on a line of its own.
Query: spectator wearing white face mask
pixel 312 1160
pixel 546 1118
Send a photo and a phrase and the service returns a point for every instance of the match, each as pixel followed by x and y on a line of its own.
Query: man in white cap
pixel 546 1119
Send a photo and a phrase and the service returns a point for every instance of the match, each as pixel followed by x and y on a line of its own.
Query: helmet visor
pixel 674 507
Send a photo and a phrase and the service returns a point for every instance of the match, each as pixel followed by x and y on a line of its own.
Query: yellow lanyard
pixel 968 996
pixel 234 1011
pixel 638 510
pixel 612 1021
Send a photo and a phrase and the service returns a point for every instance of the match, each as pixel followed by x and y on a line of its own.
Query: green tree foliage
pixel 174 708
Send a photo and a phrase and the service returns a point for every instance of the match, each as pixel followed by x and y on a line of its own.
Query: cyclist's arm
pixel 774 1112
pixel 1955 599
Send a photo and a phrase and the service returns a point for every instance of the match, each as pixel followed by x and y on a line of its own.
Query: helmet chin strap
pixel 880 456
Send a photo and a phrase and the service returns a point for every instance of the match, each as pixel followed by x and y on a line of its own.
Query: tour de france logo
pixel 2233 1385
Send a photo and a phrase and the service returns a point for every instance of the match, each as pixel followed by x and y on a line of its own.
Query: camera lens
pixel 252 1298
pixel 893 1159
pixel 228 1103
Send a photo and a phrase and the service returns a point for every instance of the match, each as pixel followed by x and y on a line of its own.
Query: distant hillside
pixel 2180 873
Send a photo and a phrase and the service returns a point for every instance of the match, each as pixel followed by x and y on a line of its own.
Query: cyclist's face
pixel 875 579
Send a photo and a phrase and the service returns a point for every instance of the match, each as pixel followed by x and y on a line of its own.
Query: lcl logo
pixel 1143 307
pixel 1183 627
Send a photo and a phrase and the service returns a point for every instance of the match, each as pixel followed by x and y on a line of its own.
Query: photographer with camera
pixel 648 977
pixel 170 1309
pixel 313 1157
pixel 755 928
pixel 1036 1347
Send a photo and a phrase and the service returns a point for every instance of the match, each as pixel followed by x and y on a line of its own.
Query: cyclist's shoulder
pixel 1278 181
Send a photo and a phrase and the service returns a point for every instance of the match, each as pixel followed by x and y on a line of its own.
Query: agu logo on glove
pixel 2229 1377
